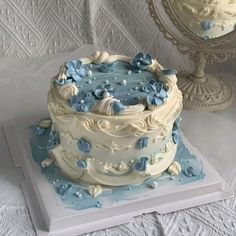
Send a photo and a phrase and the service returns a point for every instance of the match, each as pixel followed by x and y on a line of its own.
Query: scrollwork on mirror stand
pixel 202 92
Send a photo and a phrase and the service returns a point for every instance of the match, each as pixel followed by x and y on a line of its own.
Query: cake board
pixel 52 218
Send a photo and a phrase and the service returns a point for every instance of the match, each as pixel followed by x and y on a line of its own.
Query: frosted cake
pixel 115 119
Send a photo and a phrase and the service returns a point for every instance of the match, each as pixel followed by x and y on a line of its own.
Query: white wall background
pixel 33 28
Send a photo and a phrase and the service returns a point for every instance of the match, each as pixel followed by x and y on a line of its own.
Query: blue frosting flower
pixel 63 188
pixel 152 86
pixel 141 61
pixel 157 99
pixel 101 89
pixel 141 164
pixel 53 140
pixel 75 70
pixel 157 92
pixel 117 106
pixel 82 164
pixel 105 68
pixel 207 25
pixel 192 168
pixel 142 142
pixel 82 102
pixel 84 145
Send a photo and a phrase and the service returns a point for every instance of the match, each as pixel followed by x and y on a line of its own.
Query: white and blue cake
pixel 115 119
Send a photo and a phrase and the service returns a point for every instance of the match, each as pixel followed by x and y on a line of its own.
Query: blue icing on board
pixel 75 196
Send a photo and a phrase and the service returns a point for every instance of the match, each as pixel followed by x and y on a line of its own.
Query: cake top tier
pixel 114 84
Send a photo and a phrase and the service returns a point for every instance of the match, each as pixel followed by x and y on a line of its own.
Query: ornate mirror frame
pixel 202 92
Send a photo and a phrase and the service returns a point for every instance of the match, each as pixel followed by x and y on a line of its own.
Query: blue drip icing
pixel 116 194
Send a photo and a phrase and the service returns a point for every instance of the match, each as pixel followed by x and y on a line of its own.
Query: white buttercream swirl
pixel 62 73
pixel 137 127
pixel 105 106
pixel 155 67
pixel 86 121
pixel 104 57
pixel 68 91
pixel 130 110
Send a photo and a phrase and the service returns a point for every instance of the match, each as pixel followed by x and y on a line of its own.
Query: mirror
pixel 206 19
pixel 205 30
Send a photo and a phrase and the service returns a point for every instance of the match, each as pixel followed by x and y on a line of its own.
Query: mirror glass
pixel 207 19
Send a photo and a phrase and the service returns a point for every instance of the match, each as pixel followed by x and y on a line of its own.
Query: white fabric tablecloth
pixel 23 92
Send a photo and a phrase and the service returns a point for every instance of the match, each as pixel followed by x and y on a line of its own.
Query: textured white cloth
pixel 23 91
pixel 34 28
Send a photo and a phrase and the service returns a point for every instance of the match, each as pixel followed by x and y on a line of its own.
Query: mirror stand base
pixel 209 94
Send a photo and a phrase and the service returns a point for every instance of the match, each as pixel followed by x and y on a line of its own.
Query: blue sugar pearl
pixel 89 73
pixel 99 204
pixel 62 189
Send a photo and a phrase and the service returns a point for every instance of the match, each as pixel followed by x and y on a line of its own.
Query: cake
pixel 207 18
pixel 115 120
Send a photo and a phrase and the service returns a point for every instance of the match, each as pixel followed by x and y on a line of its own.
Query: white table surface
pixel 23 92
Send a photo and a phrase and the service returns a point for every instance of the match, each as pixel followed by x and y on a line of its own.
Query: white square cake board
pixel 51 218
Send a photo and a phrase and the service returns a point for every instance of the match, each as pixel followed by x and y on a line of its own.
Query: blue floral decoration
pixel 105 68
pixel 82 164
pixel 207 25
pixel 63 188
pixel 101 89
pixel 117 106
pixel 82 102
pixel 53 140
pixel 176 131
pixel 75 70
pixel 141 61
pixel 142 142
pixel 157 93
pixel 152 86
pixel 141 164
pixel 192 168
pixel 84 145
